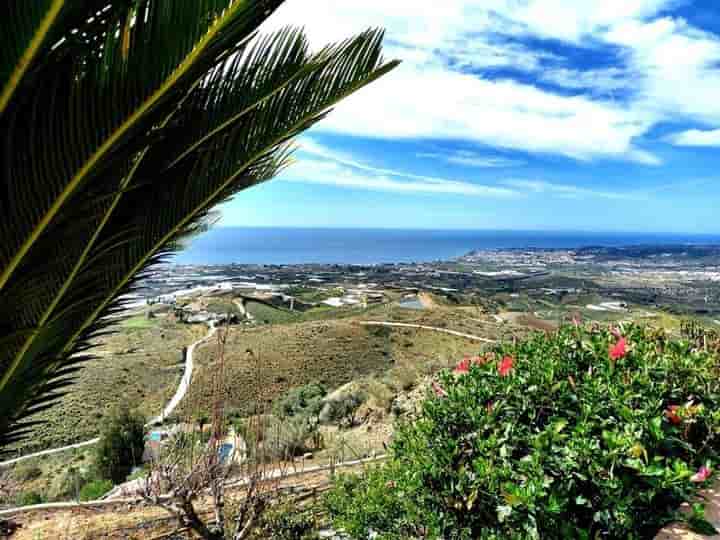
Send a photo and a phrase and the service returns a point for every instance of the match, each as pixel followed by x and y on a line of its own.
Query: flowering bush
pixel 585 433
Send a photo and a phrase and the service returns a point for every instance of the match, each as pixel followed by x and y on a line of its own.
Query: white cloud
pixel 433 103
pixel 467 158
pixel 567 191
pixel 666 71
pixel 601 81
pixel 431 97
pixel 677 65
pixel 309 146
pixel 341 169
pixel 696 137
pixel 310 171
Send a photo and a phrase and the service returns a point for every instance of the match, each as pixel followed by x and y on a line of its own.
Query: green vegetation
pixel 121 445
pixel 577 434
pixel 303 401
pixel 142 366
pixel 183 107
pixel 92 491
pixel 271 438
pixel 275 359
pixel 286 522
pixel 139 322
pixel 313 294
pixel 222 307
pixel 29 498
pixel 27 472
pixel 342 409
pixel 267 315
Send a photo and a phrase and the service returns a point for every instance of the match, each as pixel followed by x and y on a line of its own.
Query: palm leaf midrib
pixel 113 138
pixel 25 61
pixel 209 200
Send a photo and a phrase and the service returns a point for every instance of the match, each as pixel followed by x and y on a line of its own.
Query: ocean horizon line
pixel 470 230
pixel 287 246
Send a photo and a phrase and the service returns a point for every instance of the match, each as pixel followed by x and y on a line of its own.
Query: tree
pixel 121 445
pixel 123 123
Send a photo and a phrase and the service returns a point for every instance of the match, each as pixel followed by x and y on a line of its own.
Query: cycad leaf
pixel 32 22
pixel 224 123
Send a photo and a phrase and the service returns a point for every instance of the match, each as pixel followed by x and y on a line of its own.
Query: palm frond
pixel 32 25
pixel 149 114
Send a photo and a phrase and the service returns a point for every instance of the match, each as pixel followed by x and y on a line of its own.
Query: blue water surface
pixel 226 245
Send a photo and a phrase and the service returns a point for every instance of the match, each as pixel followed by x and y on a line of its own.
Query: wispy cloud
pixel 345 170
pixel 567 191
pixel 467 158
pixel 310 171
pixel 696 137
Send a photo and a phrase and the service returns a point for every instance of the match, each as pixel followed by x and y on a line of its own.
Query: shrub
pixel 29 498
pixel 578 434
pixel 121 446
pixel 361 505
pixel 92 491
pixel 287 522
pixel 306 400
pixel 342 409
pixel 271 438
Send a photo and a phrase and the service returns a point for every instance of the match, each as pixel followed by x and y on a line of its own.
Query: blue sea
pixel 225 245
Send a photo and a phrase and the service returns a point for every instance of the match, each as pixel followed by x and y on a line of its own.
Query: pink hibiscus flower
pixel 505 366
pixel 463 366
pixel 703 474
pixel 619 350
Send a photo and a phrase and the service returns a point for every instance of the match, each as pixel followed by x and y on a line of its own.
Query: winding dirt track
pixel 169 408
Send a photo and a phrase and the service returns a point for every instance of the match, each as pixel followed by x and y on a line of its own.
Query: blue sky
pixel 512 114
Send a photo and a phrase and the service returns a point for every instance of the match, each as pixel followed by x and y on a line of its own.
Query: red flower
pixel 463 366
pixel 576 320
pixel 672 415
pixel 618 350
pixel 703 474
pixel 505 366
pixel 439 390
pixel 479 360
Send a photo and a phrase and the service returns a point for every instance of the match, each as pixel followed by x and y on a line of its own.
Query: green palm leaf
pixel 156 113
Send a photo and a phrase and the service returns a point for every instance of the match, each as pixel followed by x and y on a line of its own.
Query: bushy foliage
pixel 585 433
pixel 303 401
pixel 369 505
pixel 342 409
pixel 287 522
pixel 29 498
pixel 92 491
pixel 272 438
pixel 121 445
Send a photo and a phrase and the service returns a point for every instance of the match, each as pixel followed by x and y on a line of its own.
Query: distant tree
pixel 121 445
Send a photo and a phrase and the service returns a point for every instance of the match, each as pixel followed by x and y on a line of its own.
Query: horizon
pixel 515 116
pixel 484 230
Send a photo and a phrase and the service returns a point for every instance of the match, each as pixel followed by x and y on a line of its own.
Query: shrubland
pixel 582 433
